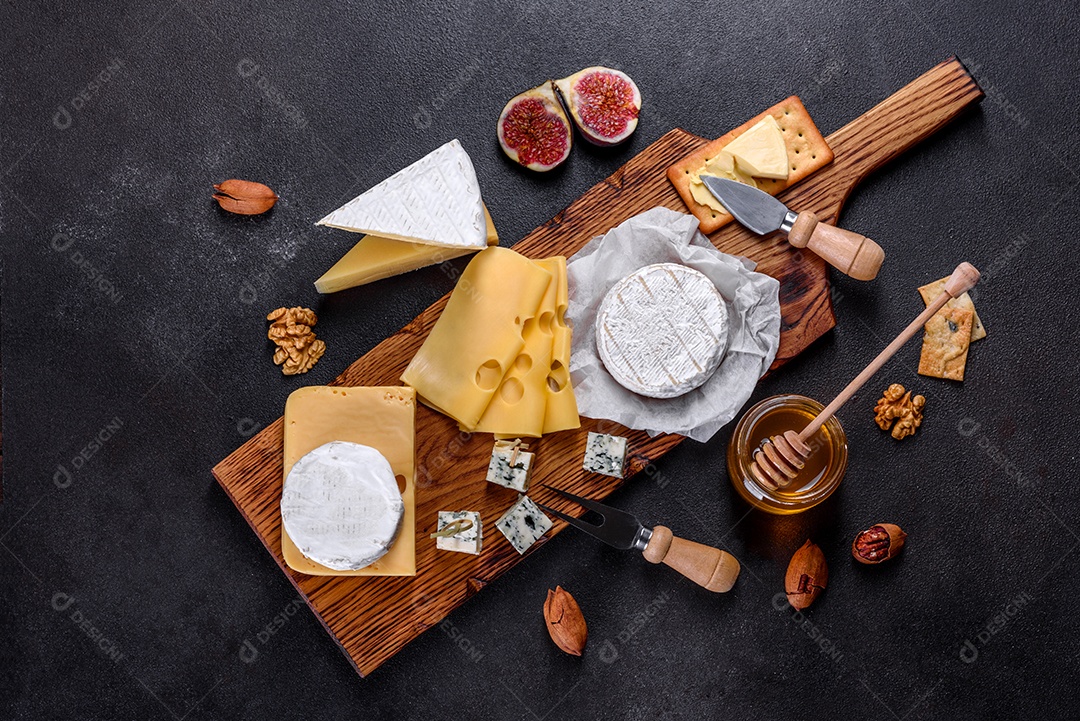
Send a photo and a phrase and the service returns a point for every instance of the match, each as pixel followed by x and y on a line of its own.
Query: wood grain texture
pixel 373 618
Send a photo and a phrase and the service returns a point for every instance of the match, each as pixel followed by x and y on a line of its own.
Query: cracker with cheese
pixel 945 344
pixel 806 150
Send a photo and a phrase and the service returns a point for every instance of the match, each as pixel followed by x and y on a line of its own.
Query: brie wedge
pixel 374 258
pixel 434 201
pixel 341 505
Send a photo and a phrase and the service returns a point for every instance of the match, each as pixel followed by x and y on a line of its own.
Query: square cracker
pixel 807 151
pixel 933 290
pixel 945 344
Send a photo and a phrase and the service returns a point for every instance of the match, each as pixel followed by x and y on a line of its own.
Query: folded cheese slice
pixel 434 201
pixel 375 258
pixel 517 409
pixel 561 412
pixel 479 334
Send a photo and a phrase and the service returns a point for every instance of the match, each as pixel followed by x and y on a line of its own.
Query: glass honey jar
pixel 824 467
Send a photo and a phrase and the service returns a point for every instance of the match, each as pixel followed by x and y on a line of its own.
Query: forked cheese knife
pixel 850 253
pixel 706 566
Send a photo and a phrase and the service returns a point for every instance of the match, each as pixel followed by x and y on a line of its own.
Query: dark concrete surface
pixel 135 358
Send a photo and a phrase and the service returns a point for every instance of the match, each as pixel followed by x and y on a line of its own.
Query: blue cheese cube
pixel 605 454
pixel 470 540
pixel 510 467
pixel 523 524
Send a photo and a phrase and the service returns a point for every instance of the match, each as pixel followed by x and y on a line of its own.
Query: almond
pixel 565 622
pixel 244 197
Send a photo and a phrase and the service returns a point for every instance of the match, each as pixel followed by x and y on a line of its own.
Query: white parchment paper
pixel 665 236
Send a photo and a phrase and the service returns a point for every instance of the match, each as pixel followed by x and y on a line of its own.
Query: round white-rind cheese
pixel 662 330
pixel 341 505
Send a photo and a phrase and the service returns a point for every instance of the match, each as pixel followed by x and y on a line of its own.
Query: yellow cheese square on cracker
pixel 807 152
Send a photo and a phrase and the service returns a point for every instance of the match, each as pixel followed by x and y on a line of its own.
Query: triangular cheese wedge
pixel 375 258
pixel 434 201
pixel 760 151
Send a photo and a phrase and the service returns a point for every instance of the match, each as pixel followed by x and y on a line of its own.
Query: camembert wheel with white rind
pixel 383 417
pixel 341 505
pixel 662 330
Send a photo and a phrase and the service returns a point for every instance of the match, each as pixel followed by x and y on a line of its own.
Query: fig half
pixel 603 102
pixel 534 130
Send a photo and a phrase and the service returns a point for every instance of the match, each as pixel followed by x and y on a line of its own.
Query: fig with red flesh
pixel 534 130
pixel 604 104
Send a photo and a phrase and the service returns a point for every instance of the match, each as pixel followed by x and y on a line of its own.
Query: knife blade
pixel 709 567
pixel 756 209
pixel 851 253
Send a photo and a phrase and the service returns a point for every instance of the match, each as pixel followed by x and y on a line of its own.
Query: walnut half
pixel 897 404
pixel 297 348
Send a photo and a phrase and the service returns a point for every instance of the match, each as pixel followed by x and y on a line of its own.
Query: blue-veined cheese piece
pixel 470 540
pixel 605 454
pixel 523 524
pixel 510 466
pixel 662 330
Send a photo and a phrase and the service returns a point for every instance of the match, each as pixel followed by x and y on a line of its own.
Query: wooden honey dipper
pixel 778 462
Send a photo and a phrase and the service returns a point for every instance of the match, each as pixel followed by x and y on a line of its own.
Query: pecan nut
pixel 244 197
pixel 565 622
pixel 878 543
pixel 807 575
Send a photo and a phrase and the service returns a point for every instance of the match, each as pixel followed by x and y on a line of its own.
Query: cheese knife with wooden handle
pixel 709 567
pixel 850 253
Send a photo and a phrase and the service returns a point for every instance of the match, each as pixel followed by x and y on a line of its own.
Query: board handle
pixel 852 254
pixel 905 118
pixel 708 567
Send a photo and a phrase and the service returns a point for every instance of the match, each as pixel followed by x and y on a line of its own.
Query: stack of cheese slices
pixel 497 361
pixel 426 213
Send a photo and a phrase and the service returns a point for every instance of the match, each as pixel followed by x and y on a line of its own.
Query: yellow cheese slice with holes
pixel 517 408
pixel 479 334
pixel 381 417
pixel 375 258
pixel 561 412
pixel 761 151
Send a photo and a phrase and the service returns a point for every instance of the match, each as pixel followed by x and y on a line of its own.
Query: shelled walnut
pixel 897 404
pixel 297 347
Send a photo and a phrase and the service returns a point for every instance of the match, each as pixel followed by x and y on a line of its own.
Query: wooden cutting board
pixel 373 618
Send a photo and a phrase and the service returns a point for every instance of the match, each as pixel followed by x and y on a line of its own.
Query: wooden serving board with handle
pixel 372 618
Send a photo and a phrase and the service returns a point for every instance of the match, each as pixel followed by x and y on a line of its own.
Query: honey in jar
pixel 823 470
